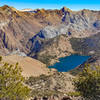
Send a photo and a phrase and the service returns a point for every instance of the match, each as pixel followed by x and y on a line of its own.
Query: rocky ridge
pixel 45 31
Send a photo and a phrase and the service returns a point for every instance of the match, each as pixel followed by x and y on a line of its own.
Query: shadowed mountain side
pixel 87 46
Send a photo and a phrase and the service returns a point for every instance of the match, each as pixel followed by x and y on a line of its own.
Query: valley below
pixel 41 38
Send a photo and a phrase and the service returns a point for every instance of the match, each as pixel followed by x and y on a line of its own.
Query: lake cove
pixel 70 62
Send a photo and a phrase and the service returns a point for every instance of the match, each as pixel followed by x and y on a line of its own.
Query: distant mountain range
pixel 49 34
pixel 29 10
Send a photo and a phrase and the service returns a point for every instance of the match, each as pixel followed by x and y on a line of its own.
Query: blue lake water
pixel 70 62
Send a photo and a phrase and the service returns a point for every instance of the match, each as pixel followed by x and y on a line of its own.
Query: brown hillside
pixel 30 67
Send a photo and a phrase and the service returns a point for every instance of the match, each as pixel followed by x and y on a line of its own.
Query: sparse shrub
pixel 0 58
pixel 88 82
pixel 75 94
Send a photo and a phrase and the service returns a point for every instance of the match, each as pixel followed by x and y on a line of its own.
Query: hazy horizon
pixel 52 4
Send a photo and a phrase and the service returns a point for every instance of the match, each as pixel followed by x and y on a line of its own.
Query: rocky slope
pixel 51 39
pixel 55 86
pixel 53 49
pixel 16 27
pixel 87 46
pixel 45 31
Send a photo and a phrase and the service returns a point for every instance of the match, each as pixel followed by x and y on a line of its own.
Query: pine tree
pixel 12 83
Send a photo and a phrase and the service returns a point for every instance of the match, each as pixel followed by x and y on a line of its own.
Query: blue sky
pixel 53 4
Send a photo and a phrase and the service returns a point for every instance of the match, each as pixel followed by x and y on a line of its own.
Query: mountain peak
pixel 64 9
pixel 5 7
pixel 8 7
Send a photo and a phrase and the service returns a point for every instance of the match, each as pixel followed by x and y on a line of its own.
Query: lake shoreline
pixel 69 63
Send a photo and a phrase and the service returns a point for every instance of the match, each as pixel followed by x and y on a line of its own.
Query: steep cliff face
pixel 14 28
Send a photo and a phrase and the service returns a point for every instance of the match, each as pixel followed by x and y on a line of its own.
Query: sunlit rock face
pixel 52 31
pixel 78 24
